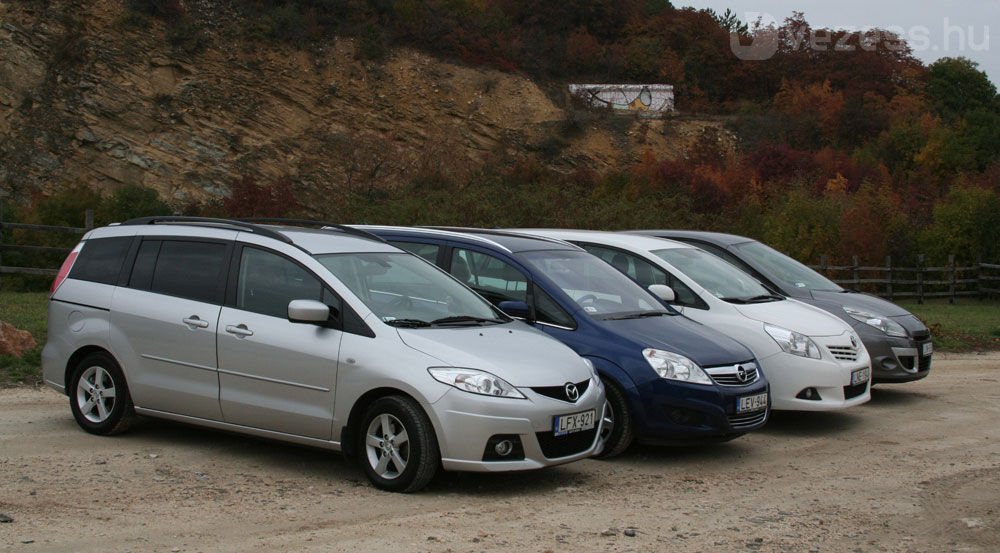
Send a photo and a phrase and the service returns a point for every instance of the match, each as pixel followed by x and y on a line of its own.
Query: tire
pixel 98 396
pixel 620 436
pixel 405 466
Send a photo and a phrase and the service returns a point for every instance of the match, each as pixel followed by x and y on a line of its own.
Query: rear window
pixel 190 270
pixel 101 260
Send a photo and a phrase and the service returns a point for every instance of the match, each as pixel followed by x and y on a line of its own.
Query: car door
pixel 274 374
pixel 163 323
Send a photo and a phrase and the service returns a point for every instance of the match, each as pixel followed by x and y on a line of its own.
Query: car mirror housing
pixel 663 292
pixel 308 311
pixel 516 309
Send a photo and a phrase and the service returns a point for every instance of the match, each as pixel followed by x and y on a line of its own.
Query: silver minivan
pixel 325 336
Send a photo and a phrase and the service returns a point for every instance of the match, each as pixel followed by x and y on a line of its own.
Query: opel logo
pixel 854 341
pixel 741 373
pixel 572 393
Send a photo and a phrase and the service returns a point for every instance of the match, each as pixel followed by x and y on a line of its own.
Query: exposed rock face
pixel 85 98
pixel 15 342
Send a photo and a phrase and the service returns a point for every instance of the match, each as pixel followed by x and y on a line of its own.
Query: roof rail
pixel 233 224
pixel 508 233
pixel 309 222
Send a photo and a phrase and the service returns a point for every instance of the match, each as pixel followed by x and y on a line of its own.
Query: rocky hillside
pixel 87 98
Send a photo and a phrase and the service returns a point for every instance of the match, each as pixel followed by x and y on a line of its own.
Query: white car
pixel 813 360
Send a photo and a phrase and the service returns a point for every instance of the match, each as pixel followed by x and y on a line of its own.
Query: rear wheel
pixel 617 430
pixel 98 396
pixel 397 446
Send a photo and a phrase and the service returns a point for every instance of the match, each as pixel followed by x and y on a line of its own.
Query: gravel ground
pixel 917 469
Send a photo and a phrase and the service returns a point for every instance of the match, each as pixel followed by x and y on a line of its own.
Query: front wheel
pixel 617 430
pixel 397 448
pixel 98 396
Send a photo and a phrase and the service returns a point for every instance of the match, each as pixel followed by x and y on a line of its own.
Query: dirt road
pixel 916 469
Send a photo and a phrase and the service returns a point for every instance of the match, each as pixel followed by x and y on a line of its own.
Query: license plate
pixel 927 349
pixel 750 404
pixel 577 422
pixel 860 376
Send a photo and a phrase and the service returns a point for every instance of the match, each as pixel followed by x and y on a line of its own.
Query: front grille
pixel 730 376
pixel 925 364
pixel 844 353
pixel 855 391
pixel 554 447
pixel 742 422
pixel 559 392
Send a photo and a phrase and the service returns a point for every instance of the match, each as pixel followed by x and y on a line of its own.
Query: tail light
pixel 65 268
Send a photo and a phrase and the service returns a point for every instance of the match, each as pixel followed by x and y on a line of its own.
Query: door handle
pixel 193 320
pixel 240 331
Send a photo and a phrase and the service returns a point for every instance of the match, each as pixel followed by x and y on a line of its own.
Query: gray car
pixel 899 343
pixel 326 337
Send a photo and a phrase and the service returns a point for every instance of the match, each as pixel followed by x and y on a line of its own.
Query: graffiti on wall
pixel 657 98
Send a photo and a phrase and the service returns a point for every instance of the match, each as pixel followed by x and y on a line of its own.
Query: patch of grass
pixel 969 324
pixel 27 311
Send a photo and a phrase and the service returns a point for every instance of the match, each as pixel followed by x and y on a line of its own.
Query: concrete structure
pixel 657 98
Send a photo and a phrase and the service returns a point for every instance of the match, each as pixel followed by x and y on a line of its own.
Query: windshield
pixel 786 269
pixel 404 290
pixel 597 287
pixel 718 277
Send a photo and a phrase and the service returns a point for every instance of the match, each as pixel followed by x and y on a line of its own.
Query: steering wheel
pixel 588 298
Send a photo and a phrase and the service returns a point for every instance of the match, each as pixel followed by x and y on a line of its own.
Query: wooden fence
pixel 6 245
pixel 896 282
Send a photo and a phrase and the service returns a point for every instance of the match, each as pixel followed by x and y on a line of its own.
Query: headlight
pixel 593 369
pixel 475 381
pixel 793 342
pixel 675 367
pixel 885 324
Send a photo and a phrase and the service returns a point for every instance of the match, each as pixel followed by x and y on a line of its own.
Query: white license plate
pixel 860 376
pixel 577 422
pixel 927 349
pixel 750 404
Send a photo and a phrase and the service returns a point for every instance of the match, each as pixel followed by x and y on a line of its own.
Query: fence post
pixel 1 240
pixel 823 265
pixel 888 270
pixel 88 219
pixel 920 279
pixel 951 279
pixel 857 274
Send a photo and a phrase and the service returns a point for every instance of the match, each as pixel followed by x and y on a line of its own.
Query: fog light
pixel 503 448
pixel 811 394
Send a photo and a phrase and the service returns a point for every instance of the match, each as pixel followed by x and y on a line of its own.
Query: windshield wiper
pixel 637 315
pixel 734 300
pixel 764 298
pixel 460 319
pixel 407 323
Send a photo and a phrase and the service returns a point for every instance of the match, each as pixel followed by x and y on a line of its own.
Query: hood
pixel 515 352
pixel 796 316
pixel 678 334
pixel 860 300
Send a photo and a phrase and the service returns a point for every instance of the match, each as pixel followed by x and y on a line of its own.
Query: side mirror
pixel 308 311
pixel 663 292
pixel 516 309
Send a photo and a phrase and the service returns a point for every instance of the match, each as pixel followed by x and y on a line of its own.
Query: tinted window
pixel 190 270
pixel 646 274
pixel 789 271
pixel 495 279
pixel 426 251
pixel 145 262
pixel 101 260
pixel 268 282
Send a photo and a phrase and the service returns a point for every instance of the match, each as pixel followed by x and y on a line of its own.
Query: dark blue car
pixel 669 379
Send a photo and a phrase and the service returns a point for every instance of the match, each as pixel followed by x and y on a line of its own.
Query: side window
pixel 268 282
pixel 646 274
pixel 101 260
pixel 633 266
pixel 548 311
pixel 190 270
pixel 426 251
pixel 495 279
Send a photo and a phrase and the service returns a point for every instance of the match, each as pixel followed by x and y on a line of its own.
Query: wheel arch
pixel 349 433
pixel 78 356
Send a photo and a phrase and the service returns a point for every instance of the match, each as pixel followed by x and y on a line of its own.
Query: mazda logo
pixel 741 373
pixel 572 393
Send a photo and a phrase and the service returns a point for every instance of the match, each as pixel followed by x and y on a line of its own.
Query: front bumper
pixel 896 359
pixel 465 424
pixel 792 377
pixel 678 413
